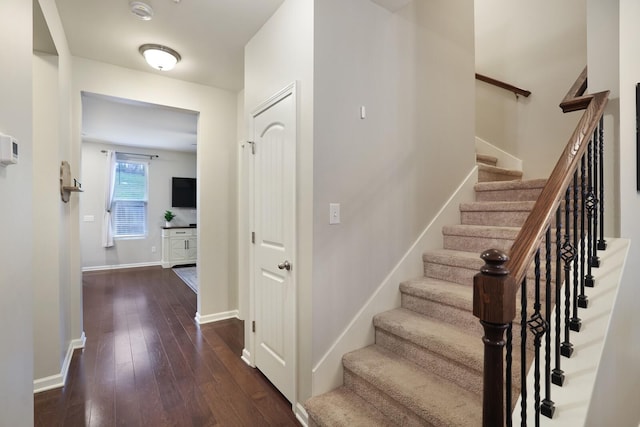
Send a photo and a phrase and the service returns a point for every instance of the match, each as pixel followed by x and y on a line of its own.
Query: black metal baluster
pixel 594 260
pixel 602 244
pixel 590 203
pixel 548 407
pixel 538 328
pixel 568 255
pixel 582 298
pixel 523 354
pixel 575 323
pixel 508 375
pixel 557 377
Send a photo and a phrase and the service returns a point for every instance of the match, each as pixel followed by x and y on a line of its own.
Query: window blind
pixel 129 209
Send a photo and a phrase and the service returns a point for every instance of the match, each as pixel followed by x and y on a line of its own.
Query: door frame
pixel 248 354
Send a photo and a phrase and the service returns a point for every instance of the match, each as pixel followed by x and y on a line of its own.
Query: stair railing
pixel 506 86
pixel 556 245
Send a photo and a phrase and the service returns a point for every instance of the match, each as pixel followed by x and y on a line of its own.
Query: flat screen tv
pixel 183 192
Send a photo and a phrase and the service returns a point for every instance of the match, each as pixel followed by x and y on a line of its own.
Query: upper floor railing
pixel 557 246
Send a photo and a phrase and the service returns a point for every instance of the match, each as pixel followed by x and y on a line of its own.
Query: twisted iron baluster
pixel 575 323
pixel 602 244
pixel 538 327
pixel 590 203
pixel 548 407
pixel 523 354
pixel 557 377
pixel 582 298
pixel 594 261
pixel 568 255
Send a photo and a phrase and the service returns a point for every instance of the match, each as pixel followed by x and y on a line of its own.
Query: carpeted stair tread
pixel 486 159
pixel 454 258
pixel 344 408
pixel 498 206
pixel 440 291
pixel 475 238
pixel 481 231
pixel 510 185
pixel 460 266
pixel 509 190
pixel 478 238
pixel 431 398
pixel 495 213
pixel 495 173
pixel 454 295
pixel 435 336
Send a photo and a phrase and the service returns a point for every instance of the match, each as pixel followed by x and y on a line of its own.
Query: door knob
pixel 285 266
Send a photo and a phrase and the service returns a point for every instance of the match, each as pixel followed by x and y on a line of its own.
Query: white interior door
pixel 274 133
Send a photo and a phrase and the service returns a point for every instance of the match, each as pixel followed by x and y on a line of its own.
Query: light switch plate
pixel 334 213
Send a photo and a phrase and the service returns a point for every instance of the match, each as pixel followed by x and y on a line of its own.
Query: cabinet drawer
pixel 182 232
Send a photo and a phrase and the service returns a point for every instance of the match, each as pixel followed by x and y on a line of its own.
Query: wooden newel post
pixel 494 303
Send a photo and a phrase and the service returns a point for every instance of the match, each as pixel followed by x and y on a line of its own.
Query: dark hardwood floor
pixel 147 363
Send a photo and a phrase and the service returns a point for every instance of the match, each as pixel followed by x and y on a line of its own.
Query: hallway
pixel 147 363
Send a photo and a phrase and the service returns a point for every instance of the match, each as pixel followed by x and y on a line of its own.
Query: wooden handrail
pixel 573 100
pixel 503 85
pixel 530 236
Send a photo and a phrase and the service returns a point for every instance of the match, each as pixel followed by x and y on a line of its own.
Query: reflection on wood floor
pixel 147 363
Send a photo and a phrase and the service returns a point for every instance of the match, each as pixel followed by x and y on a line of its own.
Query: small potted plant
pixel 168 216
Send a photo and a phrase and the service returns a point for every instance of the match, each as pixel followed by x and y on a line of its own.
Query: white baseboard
pixel 121 266
pixel 301 414
pixel 327 374
pixel 246 357
pixel 215 317
pixel 58 380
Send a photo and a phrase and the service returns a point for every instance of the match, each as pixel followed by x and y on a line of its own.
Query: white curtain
pixel 107 226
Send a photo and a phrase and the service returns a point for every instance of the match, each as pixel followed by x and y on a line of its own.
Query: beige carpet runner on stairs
pixel 426 364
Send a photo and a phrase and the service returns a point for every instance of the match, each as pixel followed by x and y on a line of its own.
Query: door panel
pixel 274 222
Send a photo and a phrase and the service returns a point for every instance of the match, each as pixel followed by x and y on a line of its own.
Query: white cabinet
pixel 179 246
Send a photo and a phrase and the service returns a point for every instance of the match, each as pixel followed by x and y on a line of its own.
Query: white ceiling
pixel 210 35
pixel 120 121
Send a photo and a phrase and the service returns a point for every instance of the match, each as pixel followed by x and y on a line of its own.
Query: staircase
pixel 425 367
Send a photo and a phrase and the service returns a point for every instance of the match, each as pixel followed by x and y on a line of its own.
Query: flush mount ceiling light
pixel 159 57
pixel 141 10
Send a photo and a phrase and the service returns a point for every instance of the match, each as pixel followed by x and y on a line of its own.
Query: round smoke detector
pixel 141 10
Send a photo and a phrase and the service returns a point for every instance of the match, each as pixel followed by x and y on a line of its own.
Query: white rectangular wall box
pixel 334 213
pixel 8 150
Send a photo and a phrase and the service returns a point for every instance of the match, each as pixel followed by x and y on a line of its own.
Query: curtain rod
pixel 150 156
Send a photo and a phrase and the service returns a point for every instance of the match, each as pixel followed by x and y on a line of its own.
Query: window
pixel 129 208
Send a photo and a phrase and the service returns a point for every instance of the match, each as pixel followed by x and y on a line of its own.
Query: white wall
pixel 216 163
pixel 539 46
pixel 57 288
pixel 280 53
pixel 391 172
pixel 130 251
pixel 49 351
pixel 614 43
pixel 16 186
